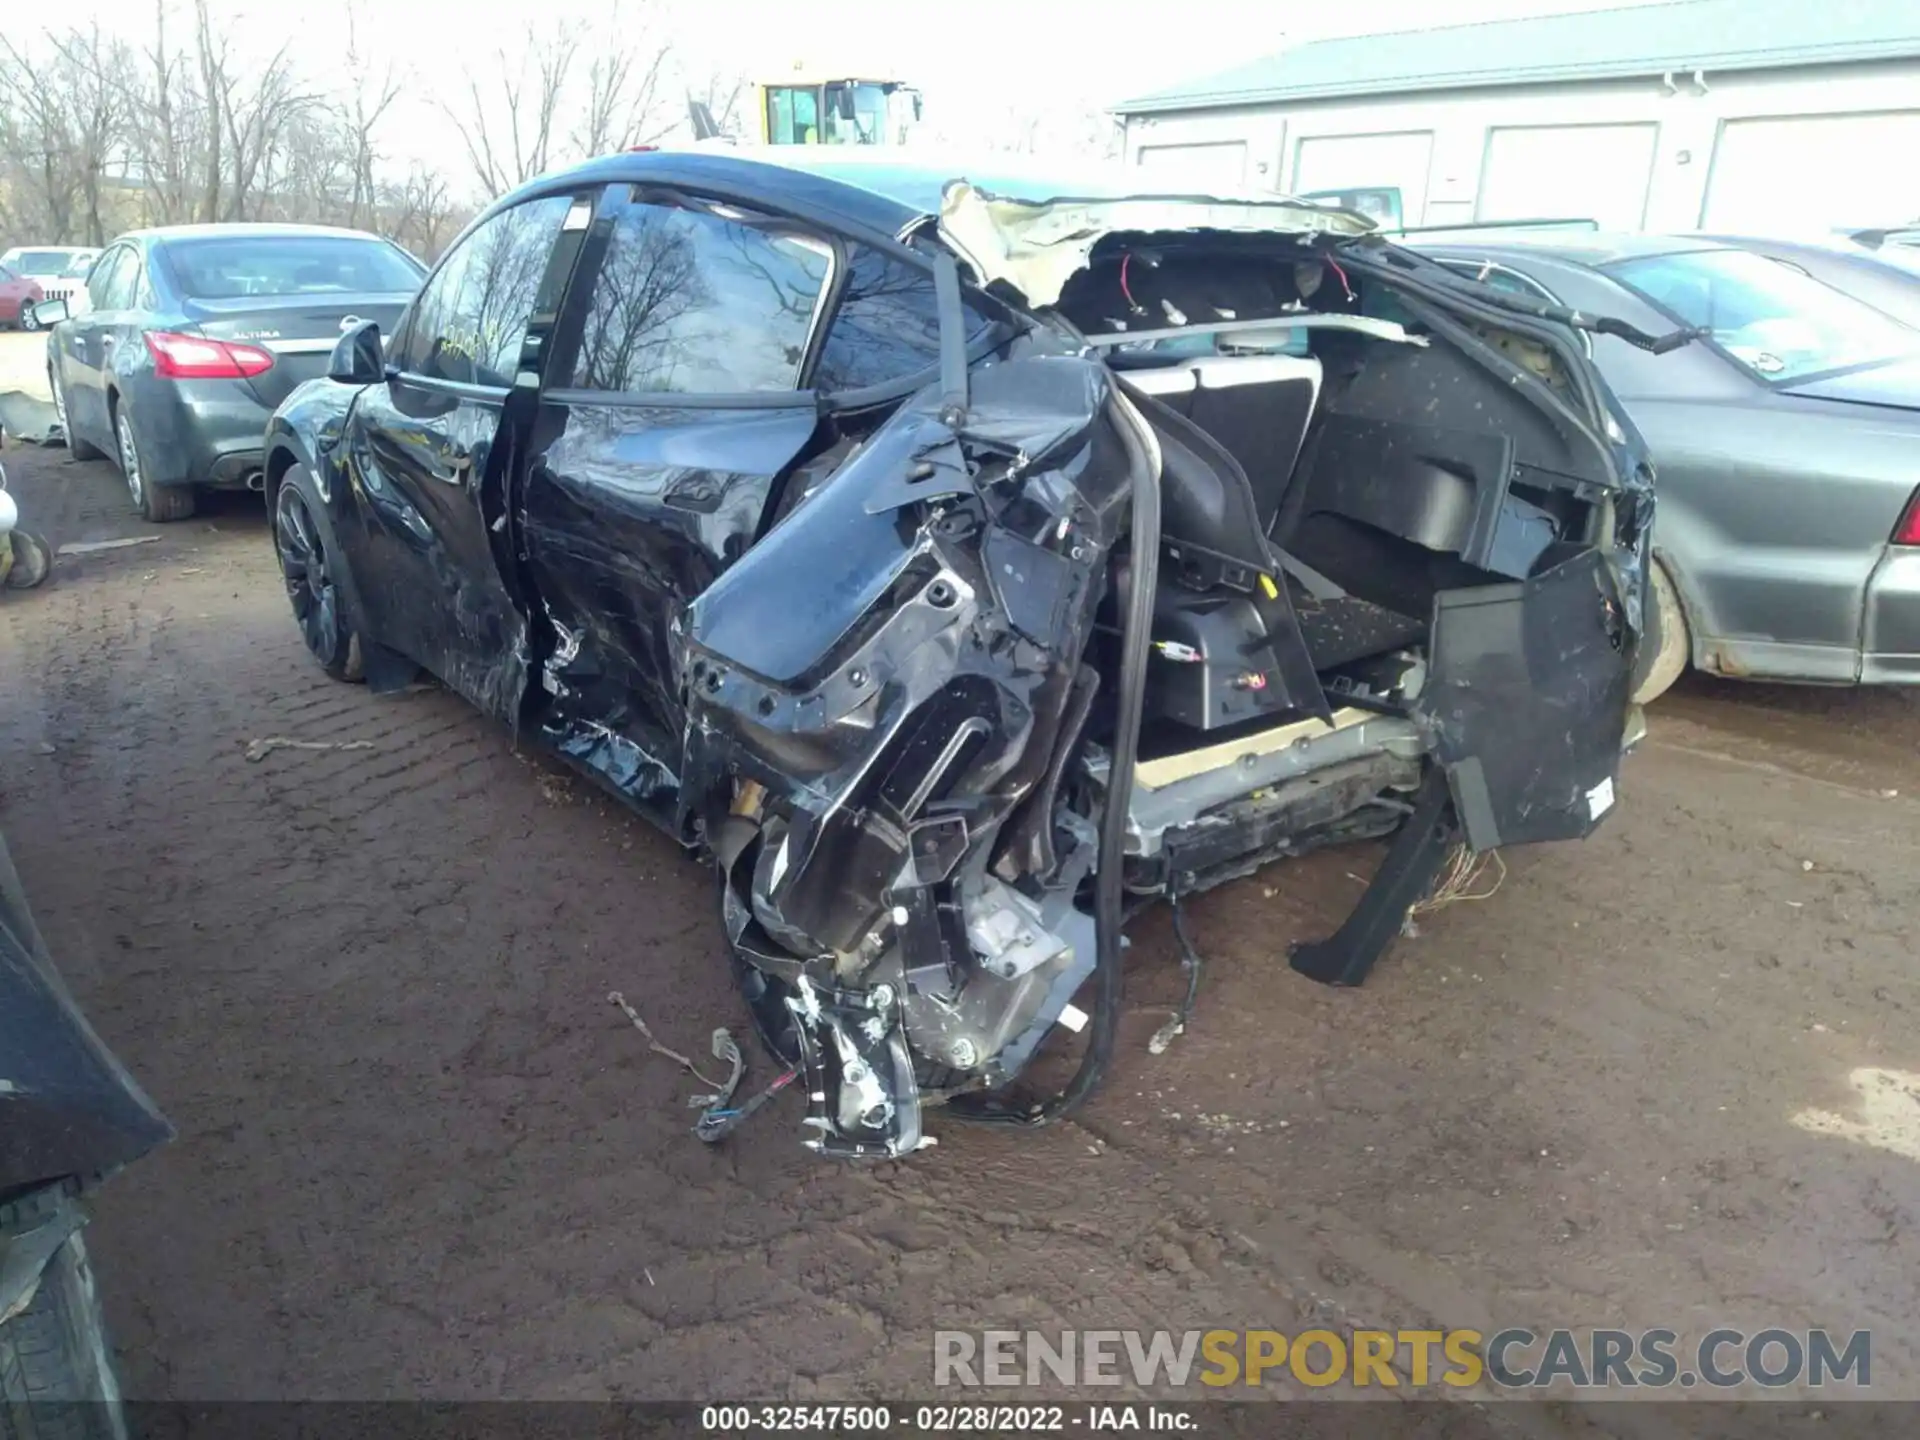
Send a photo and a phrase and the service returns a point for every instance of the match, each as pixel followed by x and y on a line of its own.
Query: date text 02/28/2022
pixel 946 1419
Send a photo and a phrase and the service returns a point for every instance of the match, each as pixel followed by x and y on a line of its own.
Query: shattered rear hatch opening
pixel 1393 594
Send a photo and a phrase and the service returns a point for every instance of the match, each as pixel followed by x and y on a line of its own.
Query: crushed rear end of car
pixel 1258 535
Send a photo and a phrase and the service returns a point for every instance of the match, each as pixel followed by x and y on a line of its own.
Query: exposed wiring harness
pixel 1126 290
pixel 1191 963
pixel 1466 877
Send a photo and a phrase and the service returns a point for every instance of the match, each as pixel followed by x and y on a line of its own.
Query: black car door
pixel 673 406
pixel 427 452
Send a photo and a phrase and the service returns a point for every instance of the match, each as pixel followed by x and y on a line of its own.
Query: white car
pixel 59 270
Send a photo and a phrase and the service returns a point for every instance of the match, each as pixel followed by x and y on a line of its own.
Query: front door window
pixel 472 315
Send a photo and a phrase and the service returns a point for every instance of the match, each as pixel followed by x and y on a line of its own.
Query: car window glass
pixel 107 287
pixel 793 115
pixel 1500 278
pixel 692 301
pixel 6 274
pixel 468 322
pixel 227 267
pixel 887 325
pixel 1779 324
pixel 138 292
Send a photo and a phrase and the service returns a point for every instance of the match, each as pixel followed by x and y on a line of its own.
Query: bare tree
pixel 625 101
pixel 513 141
pixel 92 71
pixel 368 102
pixel 59 122
pixel 419 214
pixel 188 122
pixel 156 142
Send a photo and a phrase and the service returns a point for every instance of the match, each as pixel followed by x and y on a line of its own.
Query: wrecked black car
pixel 961 563
pixel 70 1117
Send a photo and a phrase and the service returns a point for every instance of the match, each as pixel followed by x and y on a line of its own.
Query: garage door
pixel 1219 166
pixel 1812 171
pixel 1347 162
pixel 1560 172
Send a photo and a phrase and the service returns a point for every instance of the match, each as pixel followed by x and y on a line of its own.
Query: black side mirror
pixel 358 359
pixel 50 312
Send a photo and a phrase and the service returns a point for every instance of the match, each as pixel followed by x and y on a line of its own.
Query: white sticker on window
pixel 1600 799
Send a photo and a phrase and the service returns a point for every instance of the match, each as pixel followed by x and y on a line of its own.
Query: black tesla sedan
pixel 190 335
pixel 957 563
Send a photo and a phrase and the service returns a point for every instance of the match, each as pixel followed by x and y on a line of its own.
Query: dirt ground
pixel 1656 1080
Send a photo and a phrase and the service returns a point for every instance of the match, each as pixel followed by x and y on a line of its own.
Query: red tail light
pixel 194 357
pixel 1907 532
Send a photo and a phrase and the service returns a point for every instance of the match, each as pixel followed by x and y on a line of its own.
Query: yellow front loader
pixel 816 108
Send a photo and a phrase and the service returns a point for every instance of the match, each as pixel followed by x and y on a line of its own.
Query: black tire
pixel 56 1367
pixel 309 563
pixel 160 504
pixel 32 561
pixel 28 320
pixel 76 447
pixel 1675 650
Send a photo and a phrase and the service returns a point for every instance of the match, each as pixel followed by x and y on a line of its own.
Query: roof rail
pixel 1572 222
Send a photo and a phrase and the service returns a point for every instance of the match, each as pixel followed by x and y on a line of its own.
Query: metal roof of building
pixel 1683 35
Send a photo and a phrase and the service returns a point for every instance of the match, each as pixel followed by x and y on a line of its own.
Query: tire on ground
pixel 337 645
pixel 56 1368
pixel 1675 650
pixel 159 504
pixel 76 447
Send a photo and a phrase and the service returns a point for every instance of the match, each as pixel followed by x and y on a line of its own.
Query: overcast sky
pixel 971 58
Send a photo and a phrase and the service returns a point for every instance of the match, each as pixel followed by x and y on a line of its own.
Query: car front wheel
pixel 310 568
pixel 28 320
pixel 158 503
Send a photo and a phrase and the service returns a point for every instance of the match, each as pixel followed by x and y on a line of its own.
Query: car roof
pixel 1581 247
pixel 867 186
pixel 1835 245
pixel 237 229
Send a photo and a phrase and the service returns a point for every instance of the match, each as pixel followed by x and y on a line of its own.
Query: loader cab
pixel 838 112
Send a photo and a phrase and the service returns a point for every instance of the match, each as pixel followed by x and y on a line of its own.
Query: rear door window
pixel 887 326
pixel 700 299
pixel 470 319
pixel 110 286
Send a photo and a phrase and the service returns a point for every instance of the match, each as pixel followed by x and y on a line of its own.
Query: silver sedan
pixel 1786 441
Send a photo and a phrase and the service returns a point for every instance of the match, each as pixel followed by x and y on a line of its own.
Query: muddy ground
pixel 1644 1084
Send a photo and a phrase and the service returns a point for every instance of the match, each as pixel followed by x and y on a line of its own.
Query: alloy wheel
pixel 130 458
pixel 303 564
pixel 28 320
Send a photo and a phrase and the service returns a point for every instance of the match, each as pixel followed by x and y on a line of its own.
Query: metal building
pixel 1725 114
